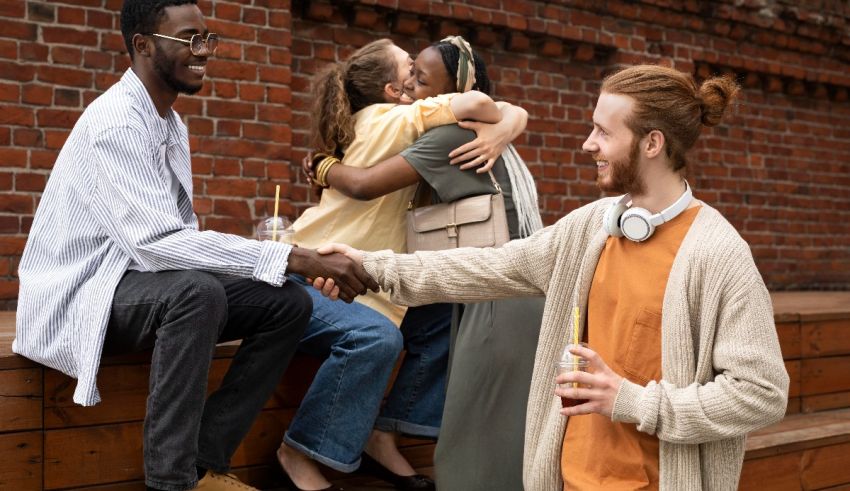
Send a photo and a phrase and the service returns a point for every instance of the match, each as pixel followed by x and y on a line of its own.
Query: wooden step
pixel 804 451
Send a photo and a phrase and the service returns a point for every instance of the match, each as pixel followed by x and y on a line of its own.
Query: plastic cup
pixel 571 363
pixel 285 233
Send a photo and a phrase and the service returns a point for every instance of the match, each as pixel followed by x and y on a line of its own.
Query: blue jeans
pixel 415 404
pixel 360 347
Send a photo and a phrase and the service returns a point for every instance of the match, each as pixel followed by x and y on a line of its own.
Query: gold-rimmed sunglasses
pixel 197 42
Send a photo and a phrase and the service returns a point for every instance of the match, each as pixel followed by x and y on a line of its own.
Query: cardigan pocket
pixel 642 361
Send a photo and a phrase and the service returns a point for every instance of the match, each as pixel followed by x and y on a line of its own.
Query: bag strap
pixel 422 195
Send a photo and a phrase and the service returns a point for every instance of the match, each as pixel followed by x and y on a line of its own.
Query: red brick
pixel 102 20
pixel 66 56
pixel 232 187
pixel 66 97
pixel 10 92
pixel 407 25
pixel 42 159
pixel 41 95
pixel 224 109
pixel 12 9
pixel 25 181
pixel 72 15
pixel 232 70
pixel 97 60
pixel 13 157
pixel 55 139
pixel 15 203
pixel 254 16
pixel 17 115
pixel 67 35
pixel 232 208
pixel 56 118
pixel 19 30
pixel 65 76
pixel 34 52
pixel 26 137
pixel 6 181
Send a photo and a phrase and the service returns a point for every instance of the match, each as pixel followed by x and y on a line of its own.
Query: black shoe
pixel 288 484
pixel 416 482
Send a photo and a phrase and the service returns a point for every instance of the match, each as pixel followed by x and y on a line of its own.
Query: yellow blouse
pixel 382 130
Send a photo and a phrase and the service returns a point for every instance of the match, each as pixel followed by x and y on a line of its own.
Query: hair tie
pixel 465 65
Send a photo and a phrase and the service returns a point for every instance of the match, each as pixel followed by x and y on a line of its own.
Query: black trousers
pixel 181 315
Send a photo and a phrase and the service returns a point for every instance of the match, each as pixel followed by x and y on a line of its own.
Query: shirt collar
pixel 169 125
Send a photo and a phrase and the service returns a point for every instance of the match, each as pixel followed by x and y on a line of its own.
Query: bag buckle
pixel 451 228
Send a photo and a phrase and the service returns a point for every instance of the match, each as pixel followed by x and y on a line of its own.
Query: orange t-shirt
pixel 624 328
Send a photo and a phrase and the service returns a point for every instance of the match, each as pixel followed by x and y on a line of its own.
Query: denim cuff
pixel 333 464
pixel 406 428
pixel 171 487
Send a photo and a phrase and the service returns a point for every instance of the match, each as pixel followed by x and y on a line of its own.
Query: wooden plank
pixel 124 391
pixel 811 306
pixel 777 473
pixel 20 460
pixel 93 455
pixel 7 335
pixel 794 406
pixel 793 369
pixel 20 399
pixel 824 375
pixel 789 339
pixel 826 466
pixel 824 402
pixel 825 338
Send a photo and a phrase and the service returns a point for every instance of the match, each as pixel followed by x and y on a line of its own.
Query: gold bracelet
pixel 322 170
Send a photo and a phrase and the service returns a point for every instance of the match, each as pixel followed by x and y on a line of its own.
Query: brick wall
pixel 779 168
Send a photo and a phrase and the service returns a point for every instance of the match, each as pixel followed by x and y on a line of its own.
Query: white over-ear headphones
pixel 638 224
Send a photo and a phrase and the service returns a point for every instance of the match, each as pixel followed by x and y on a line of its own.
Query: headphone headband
pixel 638 224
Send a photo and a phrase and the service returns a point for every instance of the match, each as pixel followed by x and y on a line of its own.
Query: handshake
pixel 335 269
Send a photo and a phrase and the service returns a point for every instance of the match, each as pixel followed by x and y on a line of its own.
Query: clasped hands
pixel 333 286
pixel 337 269
pixel 599 386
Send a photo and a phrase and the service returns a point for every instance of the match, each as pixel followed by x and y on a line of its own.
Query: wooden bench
pixel 47 442
pixel 810 448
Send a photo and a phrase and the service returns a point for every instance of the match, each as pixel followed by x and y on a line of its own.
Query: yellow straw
pixel 276 203
pixel 576 316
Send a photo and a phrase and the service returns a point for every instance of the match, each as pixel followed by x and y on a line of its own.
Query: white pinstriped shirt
pixel 108 205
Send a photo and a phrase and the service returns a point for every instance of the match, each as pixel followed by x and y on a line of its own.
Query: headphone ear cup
pixel 611 219
pixel 636 224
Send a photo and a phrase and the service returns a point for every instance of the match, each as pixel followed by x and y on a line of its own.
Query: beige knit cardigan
pixel 722 370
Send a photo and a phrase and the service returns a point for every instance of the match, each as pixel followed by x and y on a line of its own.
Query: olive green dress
pixel 480 445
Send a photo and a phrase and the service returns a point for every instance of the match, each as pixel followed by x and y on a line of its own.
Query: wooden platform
pixel 810 449
pixel 47 442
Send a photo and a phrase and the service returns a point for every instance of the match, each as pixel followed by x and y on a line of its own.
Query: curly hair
pixel 343 88
pixel 144 16
pixel 671 101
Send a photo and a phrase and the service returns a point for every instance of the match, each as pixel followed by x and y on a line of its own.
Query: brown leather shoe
pixel 214 481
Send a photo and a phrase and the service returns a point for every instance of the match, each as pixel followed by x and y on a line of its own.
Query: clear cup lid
pixel 267 226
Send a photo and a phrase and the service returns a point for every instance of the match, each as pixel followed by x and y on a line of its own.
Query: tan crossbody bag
pixel 476 221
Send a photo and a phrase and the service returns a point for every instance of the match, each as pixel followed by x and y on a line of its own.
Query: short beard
pixel 163 68
pixel 624 175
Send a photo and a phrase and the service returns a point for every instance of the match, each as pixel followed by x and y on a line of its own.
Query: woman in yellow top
pixel 359 115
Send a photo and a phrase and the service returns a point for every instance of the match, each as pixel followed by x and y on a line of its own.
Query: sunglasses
pixel 197 42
